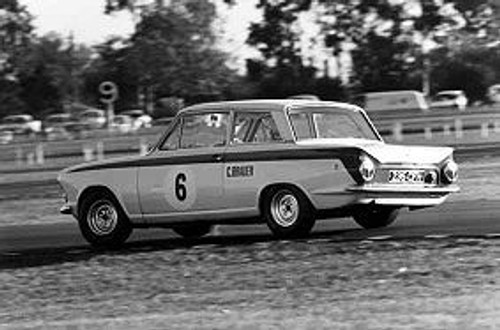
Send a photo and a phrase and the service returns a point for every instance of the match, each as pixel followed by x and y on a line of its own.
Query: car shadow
pixel 76 253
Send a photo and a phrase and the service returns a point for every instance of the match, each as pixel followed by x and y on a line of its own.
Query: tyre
pixel 288 212
pixel 193 231
pixel 375 217
pixel 102 221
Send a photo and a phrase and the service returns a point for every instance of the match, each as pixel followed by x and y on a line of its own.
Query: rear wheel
pixel 193 231
pixel 375 217
pixel 288 212
pixel 102 221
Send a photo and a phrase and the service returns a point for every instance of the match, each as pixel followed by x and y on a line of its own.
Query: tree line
pixel 172 58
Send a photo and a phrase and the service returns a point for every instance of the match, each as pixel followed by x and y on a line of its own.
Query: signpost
pixel 109 91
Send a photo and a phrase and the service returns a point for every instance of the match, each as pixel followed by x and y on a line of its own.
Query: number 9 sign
pixel 110 92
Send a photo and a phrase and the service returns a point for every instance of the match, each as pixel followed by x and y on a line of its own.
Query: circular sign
pixel 109 90
pixel 180 189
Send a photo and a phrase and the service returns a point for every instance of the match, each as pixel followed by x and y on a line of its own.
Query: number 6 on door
pixel 180 190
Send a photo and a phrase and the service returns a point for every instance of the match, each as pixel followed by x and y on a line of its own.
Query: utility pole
pixel 73 84
pixel 427 45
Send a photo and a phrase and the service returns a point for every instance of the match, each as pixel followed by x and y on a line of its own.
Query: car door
pixel 183 179
pixel 248 167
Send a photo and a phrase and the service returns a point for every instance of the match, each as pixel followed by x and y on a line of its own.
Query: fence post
pixel 485 130
pixel 100 150
pixel 88 153
pixel 459 133
pixel 19 156
pixel 496 126
pixel 30 158
pixel 39 154
pixel 397 131
pixel 446 130
pixel 428 133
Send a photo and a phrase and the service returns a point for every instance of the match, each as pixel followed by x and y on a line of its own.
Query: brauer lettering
pixel 239 171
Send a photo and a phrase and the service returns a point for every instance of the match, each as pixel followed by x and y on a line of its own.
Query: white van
pixel 395 100
pixel 494 93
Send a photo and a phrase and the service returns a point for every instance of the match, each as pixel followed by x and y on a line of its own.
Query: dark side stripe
pixel 348 155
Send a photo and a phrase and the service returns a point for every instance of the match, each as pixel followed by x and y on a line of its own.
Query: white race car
pixel 283 162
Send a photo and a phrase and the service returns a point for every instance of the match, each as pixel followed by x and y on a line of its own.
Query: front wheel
pixel 193 231
pixel 288 212
pixel 375 217
pixel 102 221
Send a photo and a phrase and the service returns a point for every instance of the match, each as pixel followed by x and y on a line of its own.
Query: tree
pixel 50 73
pixel 284 70
pixel 15 36
pixel 390 41
pixel 172 51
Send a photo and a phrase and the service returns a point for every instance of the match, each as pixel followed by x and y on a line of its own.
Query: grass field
pixel 301 284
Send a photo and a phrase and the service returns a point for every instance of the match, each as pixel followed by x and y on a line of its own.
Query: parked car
pixel 163 121
pixel 494 93
pixel 60 121
pixel 92 119
pixel 450 99
pixel 304 97
pixel 122 124
pixel 21 124
pixel 282 162
pixel 6 136
pixel 140 119
pixel 404 100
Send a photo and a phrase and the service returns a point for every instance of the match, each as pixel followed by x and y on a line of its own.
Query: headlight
pixel 367 168
pixel 450 171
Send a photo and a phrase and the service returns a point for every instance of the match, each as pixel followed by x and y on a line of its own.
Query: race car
pixel 283 162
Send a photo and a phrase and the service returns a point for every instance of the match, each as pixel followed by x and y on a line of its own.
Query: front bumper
pixel 66 209
pixel 406 195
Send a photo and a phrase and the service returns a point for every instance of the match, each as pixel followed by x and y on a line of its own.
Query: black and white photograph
pixel 249 164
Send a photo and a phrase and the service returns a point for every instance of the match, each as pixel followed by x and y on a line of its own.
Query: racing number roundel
pixel 180 189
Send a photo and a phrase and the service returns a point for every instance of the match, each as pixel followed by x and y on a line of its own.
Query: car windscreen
pixel 325 123
pixel 445 97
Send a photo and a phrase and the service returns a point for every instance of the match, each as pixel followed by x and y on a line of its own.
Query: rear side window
pixel 337 125
pixel 302 127
pixel 254 127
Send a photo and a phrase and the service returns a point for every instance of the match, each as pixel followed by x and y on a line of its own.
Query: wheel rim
pixel 102 218
pixel 285 208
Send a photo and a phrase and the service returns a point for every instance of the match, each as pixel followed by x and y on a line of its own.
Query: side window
pixel 301 125
pixel 172 141
pixel 257 127
pixel 204 130
pixel 337 125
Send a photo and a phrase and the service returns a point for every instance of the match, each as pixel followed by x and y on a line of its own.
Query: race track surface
pixel 35 245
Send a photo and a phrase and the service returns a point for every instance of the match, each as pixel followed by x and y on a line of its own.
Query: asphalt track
pixel 34 245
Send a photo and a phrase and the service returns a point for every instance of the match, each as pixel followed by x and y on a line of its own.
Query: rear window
pixel 330 123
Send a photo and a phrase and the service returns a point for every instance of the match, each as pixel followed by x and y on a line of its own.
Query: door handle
pixel 217 158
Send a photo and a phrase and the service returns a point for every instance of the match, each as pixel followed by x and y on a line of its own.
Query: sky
pixel 84 19
pixel 86 22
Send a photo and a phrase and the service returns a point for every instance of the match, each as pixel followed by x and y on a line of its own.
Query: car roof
pixel 57 115
pixel 272 105
pixel 18 116
pixel 133 111
pixel 450 92
pixel 92 111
